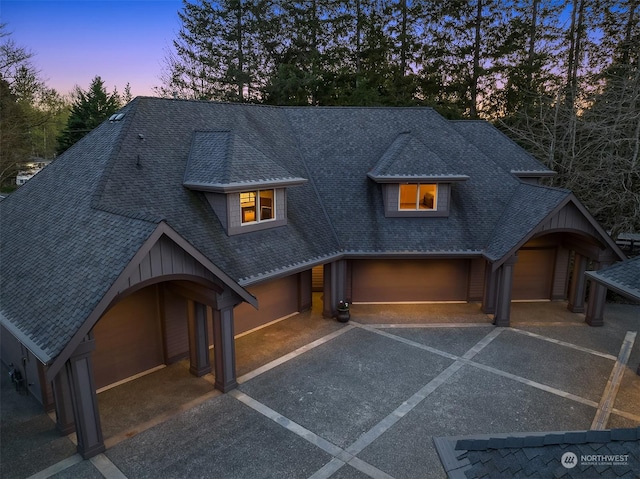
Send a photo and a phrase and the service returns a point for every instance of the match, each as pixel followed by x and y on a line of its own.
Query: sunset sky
pixel 75 40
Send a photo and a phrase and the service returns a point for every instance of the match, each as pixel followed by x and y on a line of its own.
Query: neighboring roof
pixel 623 278
pixel 610 453
pixel 78 223
pixel 220 161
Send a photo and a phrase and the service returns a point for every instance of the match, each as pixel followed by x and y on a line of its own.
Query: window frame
pixel 416 207
pixel 257 207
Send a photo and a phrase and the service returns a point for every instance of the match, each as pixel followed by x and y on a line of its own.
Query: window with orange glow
pixel 257 206
pixel 418 196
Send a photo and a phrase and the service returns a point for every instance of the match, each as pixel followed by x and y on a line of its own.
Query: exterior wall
pixel 13 352
pixel 218 203
pixel 390 198
pixel 176 332
pixel 410 280
pixel 561 274
pixel 477 268
pixel 276 299
pixel 128 338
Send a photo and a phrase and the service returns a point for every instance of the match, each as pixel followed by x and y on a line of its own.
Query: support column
pixel 597 299
pixel 502 316
pixel 490 290
pixel 63 403
pixel 85 401
pixel 224 345
pixel 198 339
pixel 578 283
pixel 335 287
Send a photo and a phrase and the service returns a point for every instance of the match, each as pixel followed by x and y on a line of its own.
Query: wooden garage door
pixel 533 274
pixel 128 339
pixel 409 280
pixel 276 299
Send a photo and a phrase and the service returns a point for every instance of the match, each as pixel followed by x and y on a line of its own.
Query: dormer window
pixel 257 206
pixel 418 197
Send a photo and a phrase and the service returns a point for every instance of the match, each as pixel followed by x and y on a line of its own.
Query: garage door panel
pixel 128 339
pixel 410 280
pixel 533 274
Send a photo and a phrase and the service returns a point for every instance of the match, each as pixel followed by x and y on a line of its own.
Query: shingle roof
pixel 408 157
pixel 500 148
pixel 528 207
pixel 69 233
pixel 611 453
pixel 221 160
pixel 623 277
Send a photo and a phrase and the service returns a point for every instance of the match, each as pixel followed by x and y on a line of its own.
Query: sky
pixel 73 41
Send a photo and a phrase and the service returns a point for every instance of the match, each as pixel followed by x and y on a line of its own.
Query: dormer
pixel 415 181
pixel 246 189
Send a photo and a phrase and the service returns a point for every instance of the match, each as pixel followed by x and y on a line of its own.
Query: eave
pixel 244 185
pixel 417 178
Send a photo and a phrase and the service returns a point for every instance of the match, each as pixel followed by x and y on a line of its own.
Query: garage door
pixel 533 274
pixel 409 280
pixel 128 339
pixel 276 299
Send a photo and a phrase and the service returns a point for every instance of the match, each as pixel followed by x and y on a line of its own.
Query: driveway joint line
pixel 564 343
pixel 613 384
pixel 58 467
pixel 537 385
pixel 107 468
pixel 293 354
pixel 427 325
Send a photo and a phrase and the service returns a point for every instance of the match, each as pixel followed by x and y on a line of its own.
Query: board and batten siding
pixel 167 258
pixel 569 218
pixel 477 268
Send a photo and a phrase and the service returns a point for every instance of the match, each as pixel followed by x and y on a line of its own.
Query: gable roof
pixel 76 226
pixel 623 278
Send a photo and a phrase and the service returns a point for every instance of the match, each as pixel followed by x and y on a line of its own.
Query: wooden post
pixel 198 339
pixel 63 403
pixel 505 285
pixel 224 345
pixel 85 400
pixel 578 283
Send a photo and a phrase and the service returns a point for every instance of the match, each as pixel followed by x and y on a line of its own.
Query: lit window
pixel 417 197
pixel 257 206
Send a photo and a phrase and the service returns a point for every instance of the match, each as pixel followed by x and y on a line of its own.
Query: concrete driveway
pixel 365 399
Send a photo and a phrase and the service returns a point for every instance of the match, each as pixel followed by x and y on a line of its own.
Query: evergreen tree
pixel 218 51
pixel 89 109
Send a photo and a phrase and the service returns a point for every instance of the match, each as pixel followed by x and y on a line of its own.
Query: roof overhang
pixel 626 290
pixel 55 364
pixel 244 186
pixel 417 178
pixel 533 173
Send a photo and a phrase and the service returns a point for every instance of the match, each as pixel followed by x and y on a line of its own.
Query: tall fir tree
pixel 89 108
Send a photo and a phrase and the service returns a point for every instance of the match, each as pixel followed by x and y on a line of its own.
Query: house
pixel 178 224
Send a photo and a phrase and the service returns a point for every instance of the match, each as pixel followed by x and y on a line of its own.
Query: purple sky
pixel 75 40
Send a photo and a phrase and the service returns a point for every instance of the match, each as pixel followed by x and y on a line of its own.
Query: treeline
pixel 559 76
